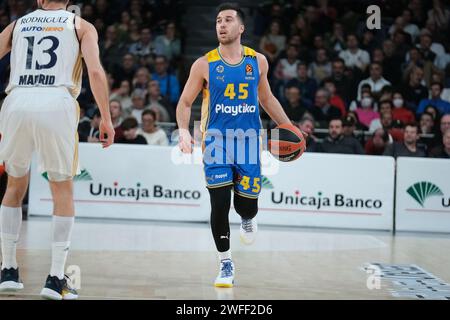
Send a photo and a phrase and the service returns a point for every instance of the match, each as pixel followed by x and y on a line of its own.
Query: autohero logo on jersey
pixel 139 192
pixel 235 110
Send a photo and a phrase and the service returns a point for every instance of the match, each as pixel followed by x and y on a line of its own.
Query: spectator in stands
pixel 168 83
pixel 141 79
pixel 323 111
pixel 442 151
pixel 336 40
pixel 436 100
pixel 410 27
pixel 400 112
pixel 168 44
pixel 306 124
pixel 426 123
pixel 89 131
pixel 273 42
pixel 286 68
pixel 115 108
pixel 349 126
pixel 353 56
pixel 365 109
pixel 306 85
pixel 387 122
pixel 383 107
pixel 152 134
pixel 335 99
pixel 376 80
pixel 414 91
pixel 344 85
pixel 134 34
pixel 155 101
pixel 130 135
pixel 439 15
pixel 294 107
pixel 111 50
pixel 122 94
pixel 444 125
pixel 377 143
pixel 320 68
pixel 368 42
pixel 407 148
pixel 138 99
pixel 391 62
pixel 126 71
pixel 336 142
pixel 144 49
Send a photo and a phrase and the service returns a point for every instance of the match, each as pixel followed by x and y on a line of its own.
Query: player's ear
pixel 242 28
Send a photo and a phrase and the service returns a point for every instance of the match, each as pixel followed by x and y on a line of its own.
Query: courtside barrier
pixel 423 195
pixel 157 183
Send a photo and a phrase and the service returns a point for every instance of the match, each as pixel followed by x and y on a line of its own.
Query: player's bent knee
pixel 57 177
pixel 247 208
pixel 16 171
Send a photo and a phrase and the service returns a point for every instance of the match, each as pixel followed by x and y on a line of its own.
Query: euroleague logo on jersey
pixel 249 69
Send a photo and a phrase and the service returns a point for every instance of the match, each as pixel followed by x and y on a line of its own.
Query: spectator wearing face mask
pixel 376 145
pixel 365 110
pixel 400 112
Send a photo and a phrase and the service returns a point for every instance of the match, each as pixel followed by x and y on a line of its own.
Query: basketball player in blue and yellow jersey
pixel 234 83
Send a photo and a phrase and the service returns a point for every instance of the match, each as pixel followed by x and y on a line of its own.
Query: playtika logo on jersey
pixel 235 110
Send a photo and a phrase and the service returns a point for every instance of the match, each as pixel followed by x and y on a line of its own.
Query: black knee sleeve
pixel 247 208
pixel 220 207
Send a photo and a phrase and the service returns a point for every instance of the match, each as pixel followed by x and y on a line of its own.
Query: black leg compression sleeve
pixel 247 208
pixel 220 208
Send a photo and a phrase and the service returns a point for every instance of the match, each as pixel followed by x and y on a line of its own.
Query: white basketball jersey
pixel 46 52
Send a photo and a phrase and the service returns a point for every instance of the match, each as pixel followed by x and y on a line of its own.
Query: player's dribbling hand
pixel 106 133
pixel 185 141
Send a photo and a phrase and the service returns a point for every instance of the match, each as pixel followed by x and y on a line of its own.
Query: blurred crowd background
pixel 353 90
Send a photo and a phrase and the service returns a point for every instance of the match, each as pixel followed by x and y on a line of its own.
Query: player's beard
pixel 228 40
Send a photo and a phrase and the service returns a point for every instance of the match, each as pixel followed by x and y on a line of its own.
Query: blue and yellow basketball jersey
pixel 230 122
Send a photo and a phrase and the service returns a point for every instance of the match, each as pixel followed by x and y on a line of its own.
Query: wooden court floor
pixel 154 260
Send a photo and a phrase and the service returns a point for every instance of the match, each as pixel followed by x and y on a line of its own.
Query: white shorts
pixel 44 120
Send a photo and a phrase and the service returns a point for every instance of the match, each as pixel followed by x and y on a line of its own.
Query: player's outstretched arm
pixel 270 104
pixel 97 79
pixel 5 40
pixel 194 85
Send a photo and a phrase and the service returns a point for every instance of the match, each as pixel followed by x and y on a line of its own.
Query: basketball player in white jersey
pixel 41 114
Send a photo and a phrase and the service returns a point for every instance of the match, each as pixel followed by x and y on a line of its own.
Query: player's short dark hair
pixel 232 6
pixel 129 123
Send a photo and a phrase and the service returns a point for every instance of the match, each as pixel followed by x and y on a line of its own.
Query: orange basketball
pixel 286 142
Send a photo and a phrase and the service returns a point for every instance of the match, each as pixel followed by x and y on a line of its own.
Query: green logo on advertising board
pixel 420 191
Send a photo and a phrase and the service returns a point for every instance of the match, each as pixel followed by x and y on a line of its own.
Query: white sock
pixel 62 230
pixel 10 223
pixel 225 255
